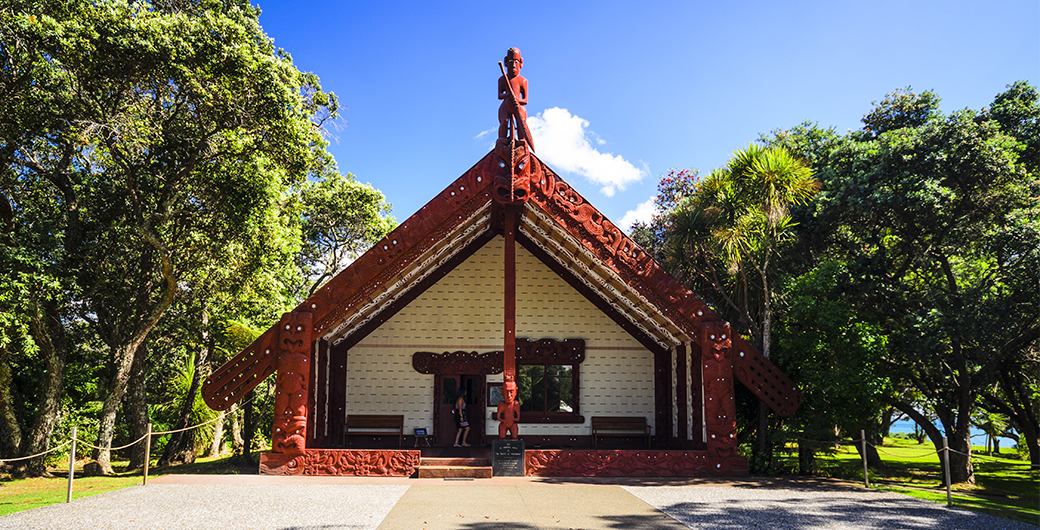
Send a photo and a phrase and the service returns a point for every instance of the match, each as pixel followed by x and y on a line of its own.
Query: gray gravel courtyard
pixel 260 503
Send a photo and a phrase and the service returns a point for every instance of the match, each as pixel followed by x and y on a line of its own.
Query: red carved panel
pixel 242 373
pixel 720 411
pixel 561 202
pixel 457 362
pixel 764 379
pixel 343 462
pixel 512 173
pixel 549 351
pixel 619 463
pixel 291 388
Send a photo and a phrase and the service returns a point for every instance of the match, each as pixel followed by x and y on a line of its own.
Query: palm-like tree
pixel 727 233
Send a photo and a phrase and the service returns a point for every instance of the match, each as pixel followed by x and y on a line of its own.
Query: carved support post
pixel 509 298
pixel 291 387
pixel 719 407
pixel 681 397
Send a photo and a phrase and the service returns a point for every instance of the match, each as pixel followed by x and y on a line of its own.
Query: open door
pixel 447 388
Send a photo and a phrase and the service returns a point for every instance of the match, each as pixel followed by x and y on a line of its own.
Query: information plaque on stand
pixel 507 458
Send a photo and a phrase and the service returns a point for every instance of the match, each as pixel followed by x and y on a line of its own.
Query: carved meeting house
pixel 508 274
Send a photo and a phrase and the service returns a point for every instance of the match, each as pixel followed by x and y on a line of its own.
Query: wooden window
pixel 548 381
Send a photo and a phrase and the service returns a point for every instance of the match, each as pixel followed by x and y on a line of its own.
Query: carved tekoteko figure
pixel 508 414
pixel 512 89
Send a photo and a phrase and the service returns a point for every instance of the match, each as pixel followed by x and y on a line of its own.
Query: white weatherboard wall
pixel 463 311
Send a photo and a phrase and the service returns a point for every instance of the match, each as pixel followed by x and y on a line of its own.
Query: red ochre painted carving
pixel 508 413
pixel 512 90
pixel 291 388
pixel 348 462
pixel 720 411
pixel 605 463
pixel 511 168
pixel 242 373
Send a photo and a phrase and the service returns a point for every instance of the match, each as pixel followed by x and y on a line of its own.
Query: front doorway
pixel 447 388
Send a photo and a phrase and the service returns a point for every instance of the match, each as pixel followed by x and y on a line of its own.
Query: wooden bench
pixel 619 426
pixel 375 425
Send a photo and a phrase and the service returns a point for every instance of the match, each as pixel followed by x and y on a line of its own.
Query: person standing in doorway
pixel 461 421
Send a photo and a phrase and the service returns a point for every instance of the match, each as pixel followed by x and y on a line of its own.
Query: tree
pixel 728 233
pixel 932 214
pixel 341 219
pixel 151 137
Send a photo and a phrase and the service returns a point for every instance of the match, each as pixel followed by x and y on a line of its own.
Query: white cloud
pixel 561 140
pixel 485 133
pixel 643 213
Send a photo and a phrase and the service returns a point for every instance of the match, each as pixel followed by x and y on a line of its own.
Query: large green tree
pixel 151 138
pixel 934 216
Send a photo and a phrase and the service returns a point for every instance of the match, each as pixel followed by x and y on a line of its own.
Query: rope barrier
pixel 51 450
pixel 92 446
pixel 830 442
pixel 188 428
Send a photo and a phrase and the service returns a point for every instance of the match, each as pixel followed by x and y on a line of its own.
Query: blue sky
pixel 625 90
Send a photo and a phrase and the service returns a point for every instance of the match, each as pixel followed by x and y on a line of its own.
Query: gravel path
pixel 794 507
pixel 190 506
pixel 313 503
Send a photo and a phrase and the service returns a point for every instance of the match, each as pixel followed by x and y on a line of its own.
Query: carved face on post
pixel 514 62
pixel 512 172
pixel 717 338
pixel 509 392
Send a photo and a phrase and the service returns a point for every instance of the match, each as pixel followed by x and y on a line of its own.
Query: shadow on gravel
pixel 637 522
pixel 801 513
pixel 484 525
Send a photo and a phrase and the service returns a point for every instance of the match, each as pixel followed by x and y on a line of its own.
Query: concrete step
pixel 457 461
pixel 454 471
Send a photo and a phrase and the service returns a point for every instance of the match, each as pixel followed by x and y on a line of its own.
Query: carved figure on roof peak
pixel 512 90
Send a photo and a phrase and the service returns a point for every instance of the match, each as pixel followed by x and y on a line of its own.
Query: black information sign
pixel 507 458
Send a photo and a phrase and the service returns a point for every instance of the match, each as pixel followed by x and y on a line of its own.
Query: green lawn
pixel 24 494
pixel 1004 487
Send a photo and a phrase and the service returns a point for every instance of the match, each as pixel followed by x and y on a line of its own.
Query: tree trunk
pixel 138 404
pixel 48 332
pixel 110 407
pixel 806 456
pixel 961 469
pixel 181 446
pixel 11 444
pixel 248 447
pixel 767 326
pixel 886 423
pixel 873 458
pixel 237 443
pixel 218 438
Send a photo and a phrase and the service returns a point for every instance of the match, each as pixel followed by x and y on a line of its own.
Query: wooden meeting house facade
pixel 601 331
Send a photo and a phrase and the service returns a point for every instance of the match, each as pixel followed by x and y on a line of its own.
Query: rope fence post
pixel 863 440
pixel 72 465
pixel 946 472
pixel 147 453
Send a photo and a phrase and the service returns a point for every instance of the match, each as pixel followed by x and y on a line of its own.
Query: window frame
pixel 550 352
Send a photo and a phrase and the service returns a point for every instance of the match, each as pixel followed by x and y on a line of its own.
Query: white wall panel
pixel 463 311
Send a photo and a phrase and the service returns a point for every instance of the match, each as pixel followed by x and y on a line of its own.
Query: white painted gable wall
pixel 463 311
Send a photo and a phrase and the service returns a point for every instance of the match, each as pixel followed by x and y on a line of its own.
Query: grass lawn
pixel 1004 487
pixel 24 494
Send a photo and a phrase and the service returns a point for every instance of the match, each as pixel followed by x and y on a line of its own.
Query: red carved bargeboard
pixel 343 462
pixel 619 463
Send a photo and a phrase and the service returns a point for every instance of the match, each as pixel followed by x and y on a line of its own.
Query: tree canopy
pixel 156 157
